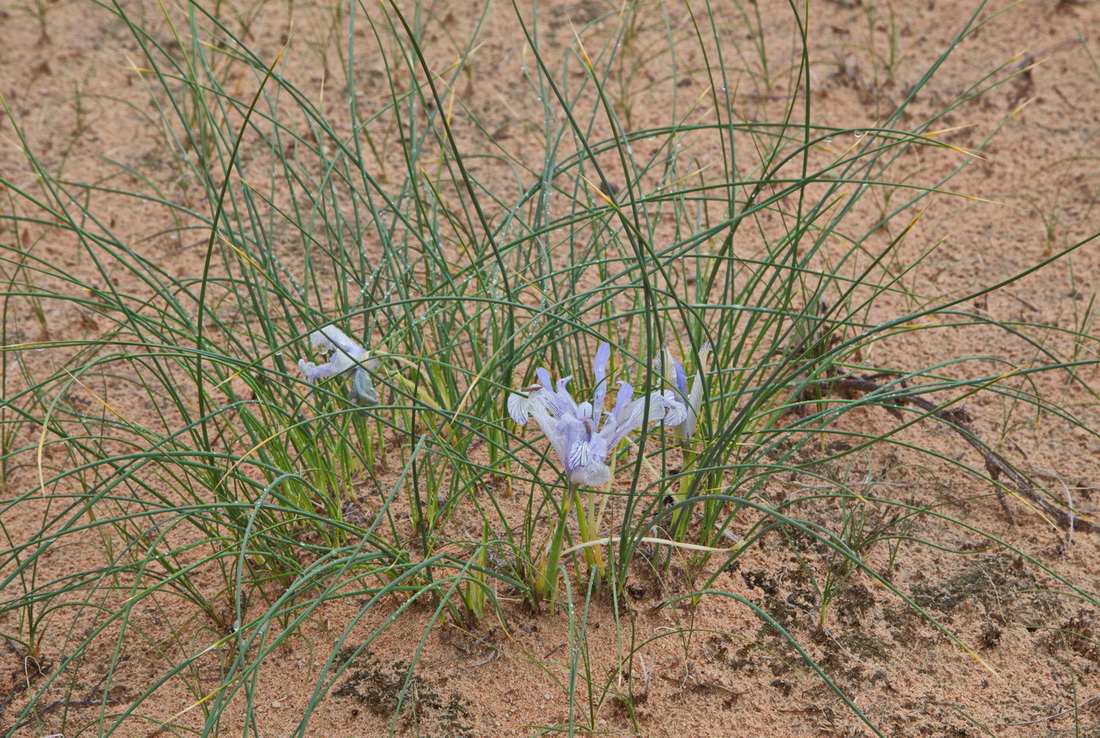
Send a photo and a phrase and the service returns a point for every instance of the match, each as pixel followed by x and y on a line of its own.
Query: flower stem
pixel 683 515
pixel 593 556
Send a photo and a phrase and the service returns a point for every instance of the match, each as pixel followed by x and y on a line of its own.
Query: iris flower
pixel 693 398
pixel 346 356
pixel 575 431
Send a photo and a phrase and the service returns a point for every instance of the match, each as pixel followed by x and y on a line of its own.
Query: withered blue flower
pixel 347 355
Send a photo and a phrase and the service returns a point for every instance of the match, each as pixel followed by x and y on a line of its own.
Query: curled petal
pixel 618 413
pixel 622 401
pixel 564 402
pixel 555 399
pixel 544 379
pixel 335 340
pixel 694 402
pixel 679 378
pixel 704 355
pixel 362 388
pixel 315 372
pixel 695 399
pixel 519 407
pixel 676 412
pixel 672 370
pixel 600 361
pixel 626 419
pixel 310 369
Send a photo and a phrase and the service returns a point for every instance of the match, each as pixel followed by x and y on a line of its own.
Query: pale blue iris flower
pixel 692 398
pixel 346 356
pixel 574 429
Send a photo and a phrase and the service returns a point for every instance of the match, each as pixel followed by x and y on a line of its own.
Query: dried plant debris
pixel 388 689
pixel 1000 583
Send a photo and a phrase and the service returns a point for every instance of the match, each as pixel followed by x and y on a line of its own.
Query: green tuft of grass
pixel 173 436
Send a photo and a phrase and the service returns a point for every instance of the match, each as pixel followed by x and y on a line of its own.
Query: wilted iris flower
pixel 574 429
pixel 347 355
pixel 676 376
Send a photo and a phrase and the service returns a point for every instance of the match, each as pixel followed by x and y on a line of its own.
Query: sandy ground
pixel 73 84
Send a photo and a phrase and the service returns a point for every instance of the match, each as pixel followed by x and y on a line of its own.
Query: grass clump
pixel 750 271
